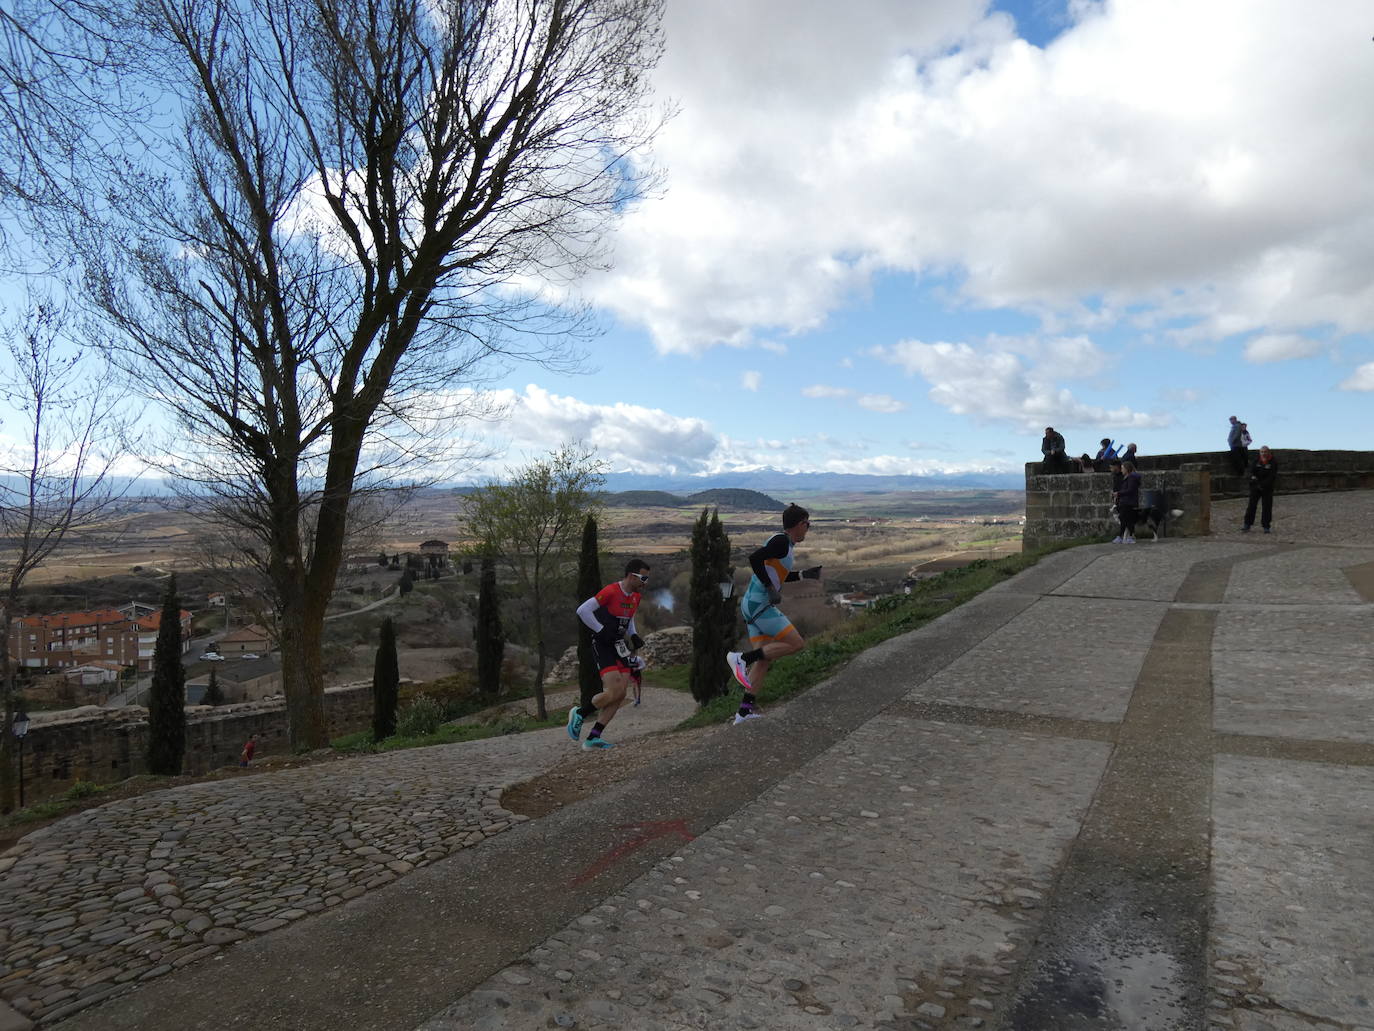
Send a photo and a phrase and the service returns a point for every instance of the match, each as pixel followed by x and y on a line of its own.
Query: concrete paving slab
pixel 896 876
pixel 1298 575
pixel 1345 633
pixel 1021 667
pixel 1151 571
pixel 1293 893
pixel 1307 695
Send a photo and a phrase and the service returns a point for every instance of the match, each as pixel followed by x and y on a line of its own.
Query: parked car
pixel 249 655
pixel 212 657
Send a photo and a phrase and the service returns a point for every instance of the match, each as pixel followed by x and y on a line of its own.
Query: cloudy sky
pixel 906 238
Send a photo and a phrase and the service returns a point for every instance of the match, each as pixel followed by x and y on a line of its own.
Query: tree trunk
pixel 302 674
pixel 7 778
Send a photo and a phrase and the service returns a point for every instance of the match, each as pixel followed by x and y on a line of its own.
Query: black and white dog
pixel 1155 513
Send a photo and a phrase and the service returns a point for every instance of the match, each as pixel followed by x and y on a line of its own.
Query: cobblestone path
pixel 130 891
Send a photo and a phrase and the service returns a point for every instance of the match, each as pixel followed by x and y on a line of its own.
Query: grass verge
pixel 75 797
pixel 447 734
pixel 895 614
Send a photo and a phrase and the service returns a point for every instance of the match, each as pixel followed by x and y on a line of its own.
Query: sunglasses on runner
pixel 641 577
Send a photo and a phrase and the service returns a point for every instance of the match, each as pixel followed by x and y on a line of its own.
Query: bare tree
pixel 56 483
pixel 532 524
pixel 63 69
pixel 358 220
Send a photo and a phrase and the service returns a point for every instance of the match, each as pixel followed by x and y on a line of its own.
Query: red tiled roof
pixel 154 621
pixel 96 617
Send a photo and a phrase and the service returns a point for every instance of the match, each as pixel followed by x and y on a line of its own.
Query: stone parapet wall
pixel 1068 505
pixel 107 745
pixel 1300 472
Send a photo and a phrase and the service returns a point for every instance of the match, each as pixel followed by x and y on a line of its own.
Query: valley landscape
pixel 869 543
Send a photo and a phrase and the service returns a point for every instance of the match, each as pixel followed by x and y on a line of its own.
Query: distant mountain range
pixel 720 497
pixel 784 485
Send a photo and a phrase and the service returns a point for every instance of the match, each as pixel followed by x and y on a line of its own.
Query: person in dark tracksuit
pixel 1263 473
pixel 1127 499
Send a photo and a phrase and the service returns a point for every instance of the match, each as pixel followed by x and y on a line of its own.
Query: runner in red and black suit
pixel 610 615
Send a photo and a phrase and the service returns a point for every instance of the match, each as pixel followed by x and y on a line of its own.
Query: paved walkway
pixel 1131 788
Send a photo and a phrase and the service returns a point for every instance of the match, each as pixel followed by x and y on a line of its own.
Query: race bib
pixel 622 649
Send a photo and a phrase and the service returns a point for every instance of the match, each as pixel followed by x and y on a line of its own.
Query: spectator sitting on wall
pixel 1129 454
pixel 1052 452
pixel 1107 452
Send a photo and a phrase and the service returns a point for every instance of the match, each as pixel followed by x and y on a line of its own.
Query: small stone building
pixel 246 640
pixel 243 681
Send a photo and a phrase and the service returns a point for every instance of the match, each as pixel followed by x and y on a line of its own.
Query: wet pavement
pixel 1132 787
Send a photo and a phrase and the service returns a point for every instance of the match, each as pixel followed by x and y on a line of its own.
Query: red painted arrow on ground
pixel 647 833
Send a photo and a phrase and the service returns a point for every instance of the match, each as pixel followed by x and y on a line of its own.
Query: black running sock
pixel 597 728
pixel 752 656
pixel 747 705
pixel 586 710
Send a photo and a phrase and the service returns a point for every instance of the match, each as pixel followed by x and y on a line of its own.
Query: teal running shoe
pixel 597 742
pixel 574 724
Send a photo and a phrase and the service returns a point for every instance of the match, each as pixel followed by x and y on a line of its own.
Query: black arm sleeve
pixel 774 547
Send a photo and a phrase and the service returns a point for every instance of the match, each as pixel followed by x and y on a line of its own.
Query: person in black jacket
pixel 1127 498
pixel 1053 457
pixel 1262 475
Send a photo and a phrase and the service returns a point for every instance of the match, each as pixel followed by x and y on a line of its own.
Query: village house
pixel 434 554
pixel 125 636
pixel 248 640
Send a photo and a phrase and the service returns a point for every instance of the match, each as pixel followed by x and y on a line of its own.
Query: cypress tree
pixel 386 684
pixel 588 583
pixel 729 607
pixel 708 639
pixel 213 695
pixel 167 696
pixel 491 641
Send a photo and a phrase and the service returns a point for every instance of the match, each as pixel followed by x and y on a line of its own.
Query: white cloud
pixel 750 380
pixel 881 403
pixel 873 402
pixel 1361 379
pixel 1280 347
pixel 1075 181
pixel 629 438
pixel 997 385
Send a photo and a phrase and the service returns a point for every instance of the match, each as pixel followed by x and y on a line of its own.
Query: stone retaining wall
pixel 1067 505
pixel 107 745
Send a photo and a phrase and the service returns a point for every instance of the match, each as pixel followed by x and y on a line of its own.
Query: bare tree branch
pixel 341 236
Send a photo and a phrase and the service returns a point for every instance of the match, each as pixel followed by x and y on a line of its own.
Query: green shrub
pixel 422 716
pixel 82 789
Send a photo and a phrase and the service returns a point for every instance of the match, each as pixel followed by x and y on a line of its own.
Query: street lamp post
pixel 21 729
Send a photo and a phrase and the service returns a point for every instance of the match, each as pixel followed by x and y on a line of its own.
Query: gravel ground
pixel 1338 518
